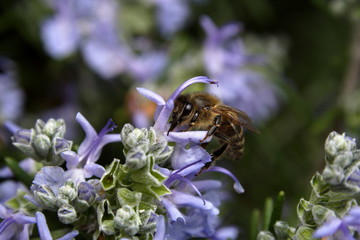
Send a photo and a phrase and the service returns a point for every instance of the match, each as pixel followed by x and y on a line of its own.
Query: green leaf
pixel 254 224
pixel 277 210
pixel 268 209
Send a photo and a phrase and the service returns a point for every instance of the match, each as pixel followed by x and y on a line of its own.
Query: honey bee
pixel 206 112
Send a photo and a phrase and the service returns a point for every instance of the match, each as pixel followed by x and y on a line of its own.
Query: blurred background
pixel 293 66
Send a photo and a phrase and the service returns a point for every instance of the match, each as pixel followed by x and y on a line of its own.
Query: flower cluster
pixel 139 196
pixel 227 60
pixel 332 210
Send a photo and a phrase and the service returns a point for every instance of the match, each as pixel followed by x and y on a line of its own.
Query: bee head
pixel 181 113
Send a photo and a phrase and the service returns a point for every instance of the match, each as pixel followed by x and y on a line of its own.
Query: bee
pixel 206 112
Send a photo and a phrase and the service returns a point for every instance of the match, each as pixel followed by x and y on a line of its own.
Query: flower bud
pixel 161 151
pixel 45 196
pixel 336 143
pixel 126 130
pixel 86 192
pixel 23 140
pixel 135 159
pixel 265 235
pixel 23 136
pixel 42 144
pixel 133 138
pixel 54 128
pixel 67 214
pixel 67 191
pixel 283 230
pixel 127 220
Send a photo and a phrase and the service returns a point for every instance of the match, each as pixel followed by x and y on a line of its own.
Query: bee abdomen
pixel 236 149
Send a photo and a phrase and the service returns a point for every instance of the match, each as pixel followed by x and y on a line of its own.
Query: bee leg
pixel 216 154
pixel 212 130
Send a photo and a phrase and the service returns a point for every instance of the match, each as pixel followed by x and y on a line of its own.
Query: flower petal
pixel 226 233
pixel 108 138
pixel 189 136
pixel 71 158
pixel 160 228
pixel 43 228
pixel 23 219
pixel 328 228
pixel 93 169
pixel 172 210
pixel 12 127
pixel 89 131
pixel 237 186
pixel 183 157
pixel 188 200
pixel 152 96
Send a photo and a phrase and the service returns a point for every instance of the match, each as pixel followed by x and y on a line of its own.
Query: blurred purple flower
pixel 11 96
pixel 336 228
pixel 92 26
pixel 14 225
pixel 8 190
pixel 171 15
pixel 226 59
pixel 82 164
pixel 28 165
pixel 148 65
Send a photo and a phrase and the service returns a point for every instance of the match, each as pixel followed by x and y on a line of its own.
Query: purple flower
pixel 337 228
pixel 28 165
pixel 11 96
pixel 82 164
pixel 148 65
pixel 8 190
pixel 17 226
pixel 14 225
pixel 91 25
pixel 171 15
pixel 44 231
pixel 225 59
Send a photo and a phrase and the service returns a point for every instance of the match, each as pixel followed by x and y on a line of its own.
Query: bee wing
pixel 237 116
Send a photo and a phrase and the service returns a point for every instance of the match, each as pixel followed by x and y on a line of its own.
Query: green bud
pixel 161 151
pixel 126 130
pixel 42 145
pixel 45 196
pixel 135 159
pixel 283 230
pixel 53 128
pixel 265 235
pixel 133 138
pixel 337 143
pixel 23 140
pixel 68 191
pixel 127 220
pixel 67 214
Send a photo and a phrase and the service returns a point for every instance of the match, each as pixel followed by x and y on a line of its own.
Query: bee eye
pixel 187 109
